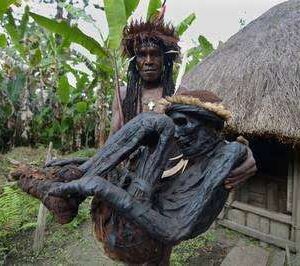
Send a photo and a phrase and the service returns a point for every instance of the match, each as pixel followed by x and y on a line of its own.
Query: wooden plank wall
pixel 296 199
pixel 267 225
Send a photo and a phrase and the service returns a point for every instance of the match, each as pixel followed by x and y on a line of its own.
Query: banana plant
pixel 153 8
pixel 109 62
pixel 30 54
pixel 5 4
pixel 185 24
pixel 195 54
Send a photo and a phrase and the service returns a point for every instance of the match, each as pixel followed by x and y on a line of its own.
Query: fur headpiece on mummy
pixel 200 103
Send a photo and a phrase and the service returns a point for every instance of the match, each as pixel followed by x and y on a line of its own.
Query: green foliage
pixel 55 110
pixel 14 89
pixel 206 46
pixel 72 34
pixel 24 23
pixel 11 91
pixel 3 41
pixel 153 7
pixel 185 24
pixel 195 54
pixel 63 90
pixel 36 57
pixel 17 211
pixel 130 6
pixel 76 12
pixel 116 18
pixel 4 5
pixel 81 107
pixel 14 33
pixel 190 248
pixel 83 153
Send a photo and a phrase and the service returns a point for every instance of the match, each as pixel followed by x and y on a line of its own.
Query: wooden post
pixel 288 256
pixel 39 233
pixel 296 199
pixel 229 201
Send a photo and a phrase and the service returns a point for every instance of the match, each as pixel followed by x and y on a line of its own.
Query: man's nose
pixel 149 60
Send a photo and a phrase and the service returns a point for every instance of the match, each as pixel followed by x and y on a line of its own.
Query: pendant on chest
pixel 151 105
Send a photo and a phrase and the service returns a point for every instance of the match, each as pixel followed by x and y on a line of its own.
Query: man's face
pixel 149 61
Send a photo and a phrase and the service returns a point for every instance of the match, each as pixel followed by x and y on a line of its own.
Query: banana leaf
pixel 116 18
pixel 71 33
pixel 63 90
pixel 153 7
pixel 185 24
pixel 4 5
pixel 3 41
pixel 130 6
pixel 14 34
pixel 24 22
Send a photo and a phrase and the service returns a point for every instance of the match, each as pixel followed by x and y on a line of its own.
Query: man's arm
pixel 242 173
pixel 116 112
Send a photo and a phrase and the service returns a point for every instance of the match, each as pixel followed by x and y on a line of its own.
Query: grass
pixel 189 249
pixel 18 211
pixel 56 237
pixel 82 153
pixel 18 247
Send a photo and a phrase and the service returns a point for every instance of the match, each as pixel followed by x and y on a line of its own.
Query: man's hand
pixel 242 173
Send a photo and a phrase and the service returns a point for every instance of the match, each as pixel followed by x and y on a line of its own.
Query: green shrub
pixel 18 211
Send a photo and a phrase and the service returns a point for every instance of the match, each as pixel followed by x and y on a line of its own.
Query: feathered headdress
pixel 154 30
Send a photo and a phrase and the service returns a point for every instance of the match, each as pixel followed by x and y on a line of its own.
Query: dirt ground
pixel 65 246
pixel 62 247
pixel 69 246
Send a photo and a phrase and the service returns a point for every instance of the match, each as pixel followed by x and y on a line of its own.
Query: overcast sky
pixel 216 19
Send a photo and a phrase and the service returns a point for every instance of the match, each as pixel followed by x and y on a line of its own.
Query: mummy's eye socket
pixel 180 121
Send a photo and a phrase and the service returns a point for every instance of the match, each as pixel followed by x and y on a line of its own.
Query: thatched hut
pixel 257 73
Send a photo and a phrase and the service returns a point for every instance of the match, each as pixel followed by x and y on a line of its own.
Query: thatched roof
pixel 257 73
